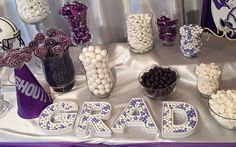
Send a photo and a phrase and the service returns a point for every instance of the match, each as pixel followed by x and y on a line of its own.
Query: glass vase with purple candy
pixel 59 72
pixel 167 25
pixel 140 32
pixel 32 11
pixel 99 77
pixel 75 14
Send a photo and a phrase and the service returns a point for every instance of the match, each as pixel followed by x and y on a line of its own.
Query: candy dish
pixel 222 108
pixel 223 121
pixel 161 83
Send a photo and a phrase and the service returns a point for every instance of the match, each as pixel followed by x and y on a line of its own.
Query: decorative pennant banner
pixel 219 18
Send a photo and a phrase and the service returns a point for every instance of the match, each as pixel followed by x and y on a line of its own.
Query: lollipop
pixel 27 50
pixel 39 38
pixel 58 50
pixel 15 58
pixel 51 32
pixel 49 42
pixel 41 52
pixel 64 41
pixel 33 44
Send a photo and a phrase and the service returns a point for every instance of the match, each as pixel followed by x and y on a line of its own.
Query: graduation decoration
pixel 219 18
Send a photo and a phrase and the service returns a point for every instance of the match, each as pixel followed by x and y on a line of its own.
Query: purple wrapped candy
pixel 167 30
pixel 40 38
pixel 58 50
pixel 75 15
pixel 41 52
pixel 51 32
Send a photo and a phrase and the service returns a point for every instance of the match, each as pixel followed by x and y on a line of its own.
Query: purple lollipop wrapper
pixel 31 97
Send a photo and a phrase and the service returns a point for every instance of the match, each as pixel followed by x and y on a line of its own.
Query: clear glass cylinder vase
pixel 99 77
pixel 32 11
pixel 167 24
pixel 140 32
pixel 59 72
pixel 191 40
pixel 208 85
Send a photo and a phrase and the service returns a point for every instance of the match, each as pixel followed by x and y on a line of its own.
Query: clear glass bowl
pixel 162 92
pixel 32 11
pixel 227 123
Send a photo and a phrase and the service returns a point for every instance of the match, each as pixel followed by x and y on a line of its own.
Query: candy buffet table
pixel 127 67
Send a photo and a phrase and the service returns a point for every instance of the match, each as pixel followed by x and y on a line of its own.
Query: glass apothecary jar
pixel 208 79
pixel 32 11
pixel 59 72
pixel 191 40
pixel 99 77
pixel 140 32
pixel 167 24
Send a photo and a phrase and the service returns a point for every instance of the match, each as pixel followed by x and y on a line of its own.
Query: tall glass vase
pixel 75 14
pixel 59 72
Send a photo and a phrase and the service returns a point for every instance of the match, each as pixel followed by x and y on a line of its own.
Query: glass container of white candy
pixel 99 77
pixel 140 32
pixel 32 11
pixel 208 78
pixel 222 108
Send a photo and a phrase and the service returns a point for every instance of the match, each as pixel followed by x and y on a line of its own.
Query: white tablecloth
pixel 127 67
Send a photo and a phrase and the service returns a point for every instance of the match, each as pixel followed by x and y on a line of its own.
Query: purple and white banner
pixel 219 18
